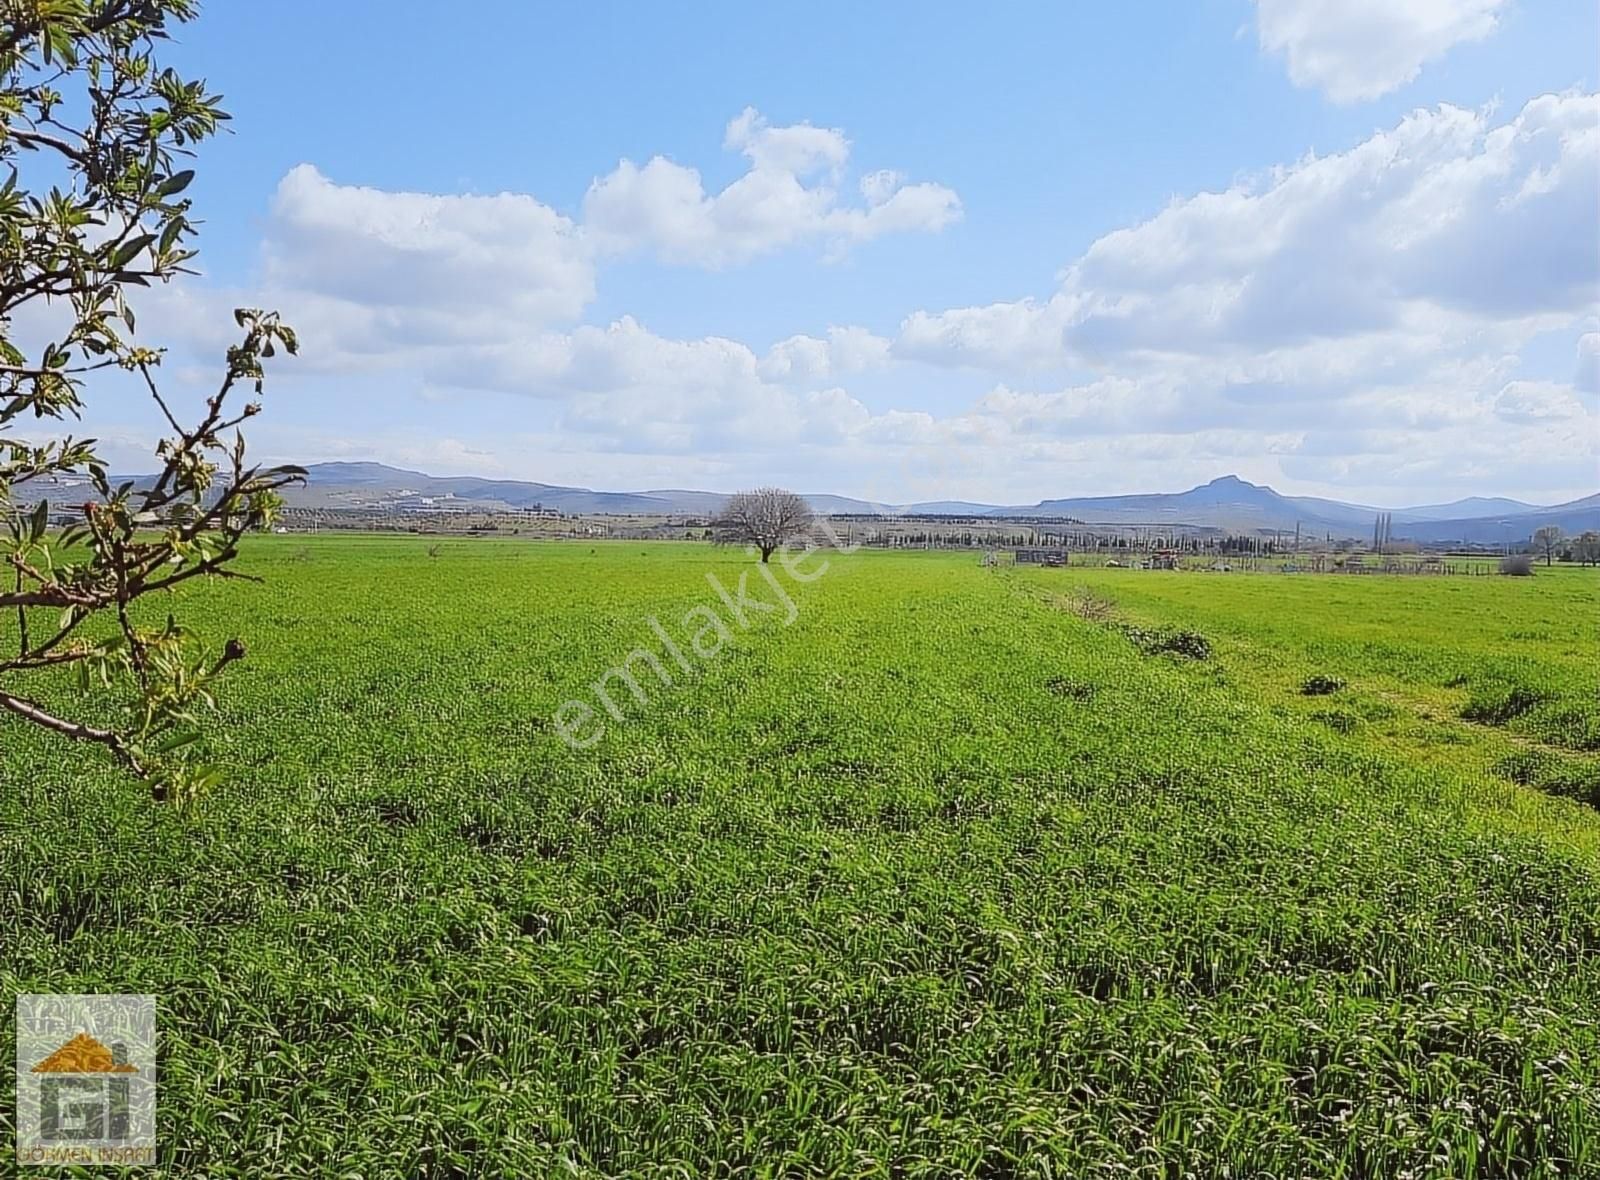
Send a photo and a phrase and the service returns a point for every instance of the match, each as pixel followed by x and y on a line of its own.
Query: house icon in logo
pixel 83 1094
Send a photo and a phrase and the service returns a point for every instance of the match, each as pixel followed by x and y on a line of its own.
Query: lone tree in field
pixel 92 132
pixel 1546 540
pixel 765 518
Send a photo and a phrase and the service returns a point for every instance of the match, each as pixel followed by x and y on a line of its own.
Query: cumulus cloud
pixel 450 284
pixel 1587 379
pixel 788 195
pixel 373 274
pixel 1018 335
pixel 423 266
pixel 1360 49
pixel 1109 405
pixel 1418 238
pixel 800 149
pixel 634 391
pixel 1357 317
pixel 808 359
pixel 1538 401
pixel 626 354
pixel 1378 300
pixel 1445 213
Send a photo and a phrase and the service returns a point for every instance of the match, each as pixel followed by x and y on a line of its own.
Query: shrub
pixel 1190 644
pixel 1338 720
pixel 1186 643
pixel 1062 686
pixel 1320 685
pixel 1517 565
pixel 1566 777
pixel 1524 767
pixel 1498 702
pixel 1570 723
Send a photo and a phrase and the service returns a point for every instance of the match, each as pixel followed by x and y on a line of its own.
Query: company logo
pixel 86 1079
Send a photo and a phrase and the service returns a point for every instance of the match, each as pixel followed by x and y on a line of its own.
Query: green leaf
pixel 169 236
pixel 175 741
pixel 130 250
pixel 176 183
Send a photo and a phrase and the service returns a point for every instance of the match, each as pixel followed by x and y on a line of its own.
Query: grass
pixel 938 880
pixel 1500 652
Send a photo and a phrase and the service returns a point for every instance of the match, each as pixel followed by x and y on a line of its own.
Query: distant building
pixel 1053 558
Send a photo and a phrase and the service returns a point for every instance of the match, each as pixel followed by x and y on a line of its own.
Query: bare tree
pixel 1586 548
pixel 765 518
pixel 1546 539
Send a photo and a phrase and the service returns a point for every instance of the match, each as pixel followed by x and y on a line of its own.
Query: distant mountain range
pixel 1225 503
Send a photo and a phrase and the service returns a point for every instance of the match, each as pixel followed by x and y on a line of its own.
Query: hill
pixel 1495 530
pixel 1472 506
pixel 1226 502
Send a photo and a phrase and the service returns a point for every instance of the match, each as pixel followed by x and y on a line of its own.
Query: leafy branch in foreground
pixel 83 102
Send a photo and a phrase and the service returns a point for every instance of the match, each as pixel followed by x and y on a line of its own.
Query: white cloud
pixel 1587 379
pixel 1020 335
pixel 1432 235
pixel 799 358
pixel 1360 49
pixel 788 195
pixel 418 267
pixel 369 271
pixel 1357 317
pixel 1538 401
pixel 1378 301
pixel 1435 216
pixel 801 149
pixel 1109 405
pixel 807 359
pixel 626 355
pixel 879 187
pixel 467 289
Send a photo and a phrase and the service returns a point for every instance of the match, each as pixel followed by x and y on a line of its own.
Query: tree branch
pixel 29 711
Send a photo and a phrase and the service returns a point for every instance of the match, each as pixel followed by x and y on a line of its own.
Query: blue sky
pixel 912 251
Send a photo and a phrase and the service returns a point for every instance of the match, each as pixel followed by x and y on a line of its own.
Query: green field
pixel 959 874
pixel 1481 673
